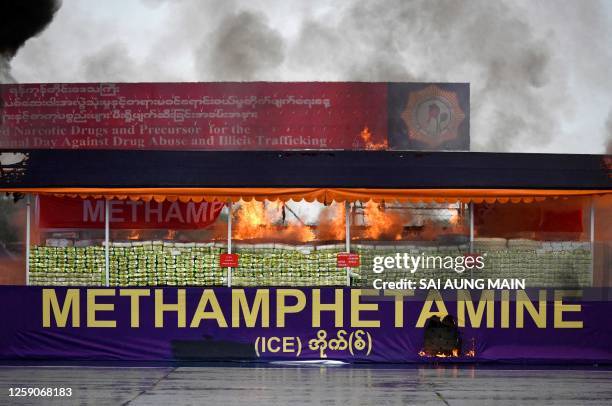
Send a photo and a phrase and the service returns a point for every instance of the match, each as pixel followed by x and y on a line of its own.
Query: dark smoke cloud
pixel 22 19
pixel 243 47
pixel 19 21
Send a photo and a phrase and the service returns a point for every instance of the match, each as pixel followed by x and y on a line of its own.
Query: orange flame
pixel 256 220
pixel 134 235
pixel 381 223
pixel 472 352
pixel 454 218
pixel 170 235
pixel 331 223
pixel 453 354
pixel 366 137
pixel 253 221
pixel 433 229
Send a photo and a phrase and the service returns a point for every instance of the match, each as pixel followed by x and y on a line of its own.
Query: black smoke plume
pixel 19 21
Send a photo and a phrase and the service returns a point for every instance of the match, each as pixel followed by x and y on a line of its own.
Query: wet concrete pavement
pixel 225 386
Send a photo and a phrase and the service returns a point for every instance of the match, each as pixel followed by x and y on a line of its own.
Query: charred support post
pixel 229 241
pixel 347 225
pixel 107 241
pixel 28 235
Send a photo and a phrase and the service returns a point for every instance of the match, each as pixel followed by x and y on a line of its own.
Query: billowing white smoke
pixel 490 44
pixel 517 71
pixel 520 57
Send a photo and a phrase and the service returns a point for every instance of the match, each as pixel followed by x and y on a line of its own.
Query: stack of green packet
pixel 157 263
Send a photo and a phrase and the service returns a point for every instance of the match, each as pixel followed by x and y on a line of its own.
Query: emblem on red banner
pixel 347 260
pixel 433 116
pixel 228 260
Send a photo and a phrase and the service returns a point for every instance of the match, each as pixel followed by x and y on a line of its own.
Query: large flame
pixel 366 137
pixel 455 224
pixel 382 224
pixel 251 221
pixel 331 223
pixel 254 221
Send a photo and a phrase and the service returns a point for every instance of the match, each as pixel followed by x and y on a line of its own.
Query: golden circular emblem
pixel 433 115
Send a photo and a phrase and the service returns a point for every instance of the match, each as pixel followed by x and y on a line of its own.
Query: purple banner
pixel 168 324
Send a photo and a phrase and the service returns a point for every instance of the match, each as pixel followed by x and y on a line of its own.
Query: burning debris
pixel 19 21
pixel 442 338
pixel 366 137
pixel 259 220
pixel 170 235
pixel 331 223
pixel 382 224
pixel 256 221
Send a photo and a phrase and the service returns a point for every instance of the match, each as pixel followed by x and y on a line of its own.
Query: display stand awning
pixel 313 194
pixel 324 176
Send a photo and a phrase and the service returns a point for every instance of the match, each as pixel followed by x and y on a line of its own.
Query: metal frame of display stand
pixel 347 206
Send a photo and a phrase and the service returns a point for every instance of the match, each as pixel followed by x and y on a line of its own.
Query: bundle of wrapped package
pixel 489 244
pixel 433 271
pixel 286 265
pixel 540 267
pixel 158 263
pixel 524 244
pixel 67 266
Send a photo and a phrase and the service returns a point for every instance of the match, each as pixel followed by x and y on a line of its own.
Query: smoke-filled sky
pixel 540 70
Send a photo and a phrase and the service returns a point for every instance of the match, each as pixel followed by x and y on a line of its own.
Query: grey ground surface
pixel 225 386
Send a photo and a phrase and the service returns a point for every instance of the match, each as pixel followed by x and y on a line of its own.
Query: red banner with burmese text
pixel 235 116
pixel 192 116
